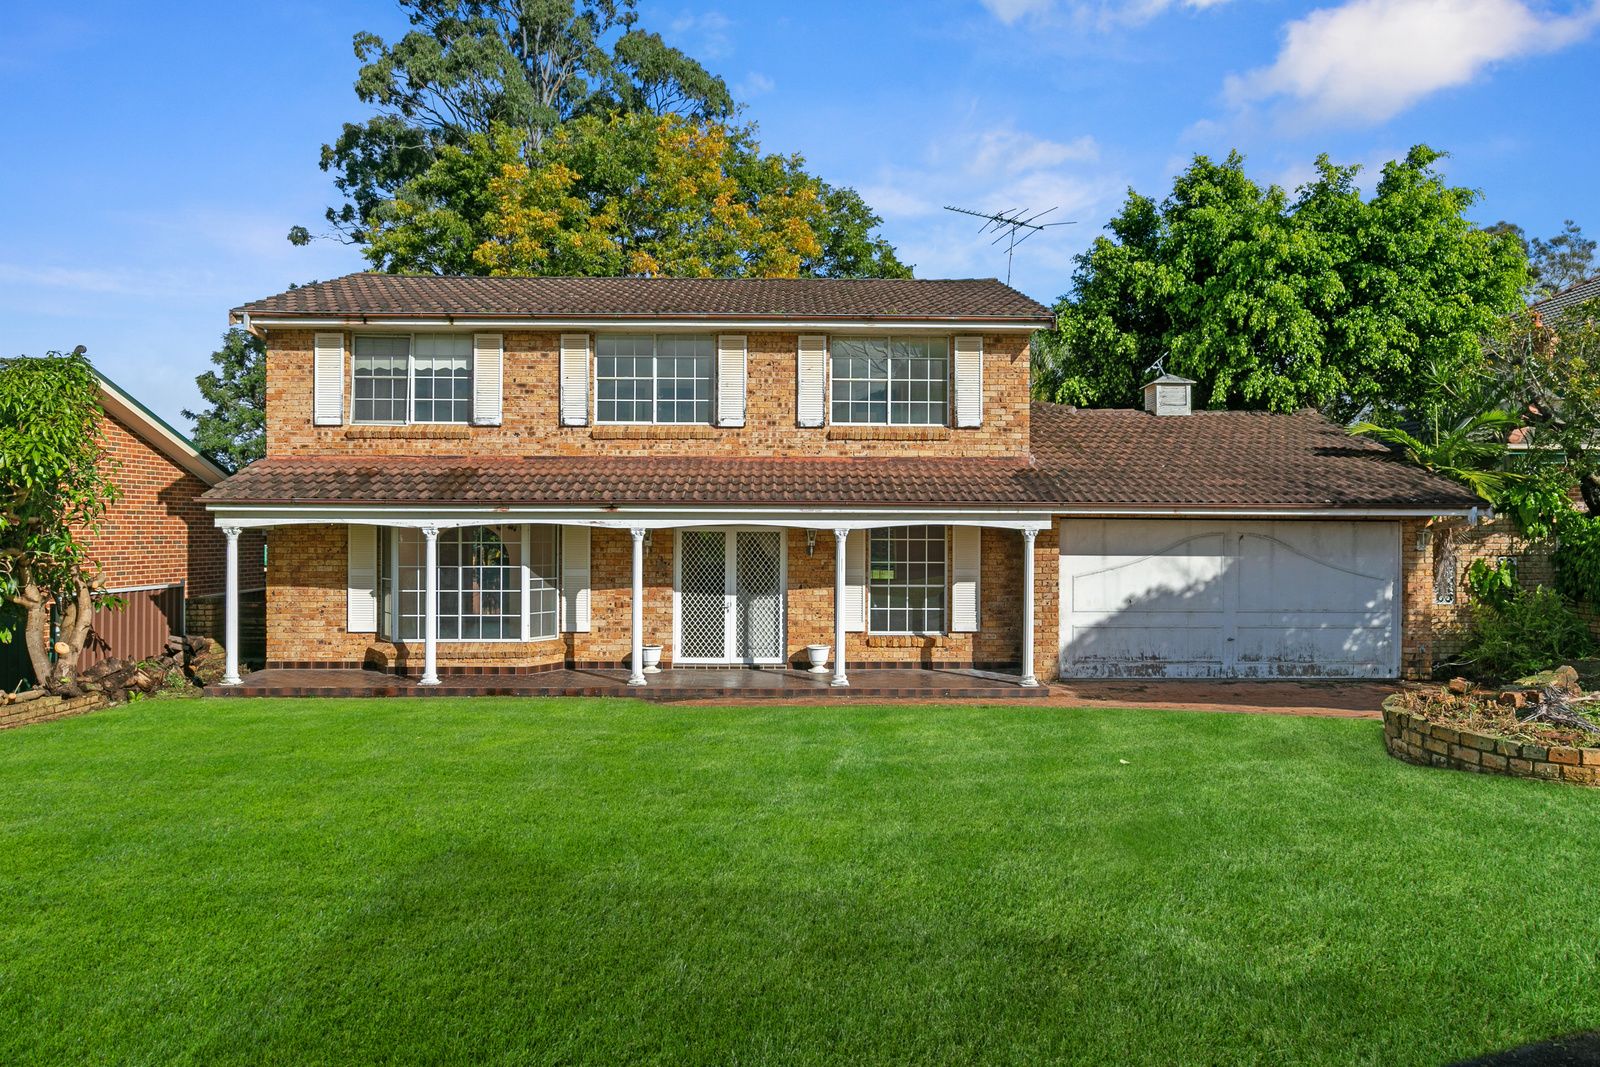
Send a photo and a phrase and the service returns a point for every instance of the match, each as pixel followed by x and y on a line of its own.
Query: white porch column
pixel 1028 537
pixel 430 607
pixel 636 660
pixel 230 610
pixel 840 539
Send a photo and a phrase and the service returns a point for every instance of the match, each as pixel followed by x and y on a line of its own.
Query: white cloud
pixel 707 33
pixel 1101 14
pixel 1368 60
pixel 994 169
pixel 755 83
pixel 1009 11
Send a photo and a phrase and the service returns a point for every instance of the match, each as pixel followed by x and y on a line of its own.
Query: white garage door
pixel 1180 598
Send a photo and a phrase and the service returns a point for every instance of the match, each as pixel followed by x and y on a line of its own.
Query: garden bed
pixel 1487 732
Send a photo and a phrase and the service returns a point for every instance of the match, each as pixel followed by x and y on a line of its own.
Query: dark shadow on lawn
pixel 1573 1050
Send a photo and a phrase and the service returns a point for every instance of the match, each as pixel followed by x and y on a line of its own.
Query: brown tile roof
pixel 1081 459
pixel 889 299
pixel 615 480
pixel 1121 458
pixel 1554 307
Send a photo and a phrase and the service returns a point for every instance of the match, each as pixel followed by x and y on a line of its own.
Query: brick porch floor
pixel 671 684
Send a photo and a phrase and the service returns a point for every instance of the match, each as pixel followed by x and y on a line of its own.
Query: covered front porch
pixel 672 684
pixel 899 601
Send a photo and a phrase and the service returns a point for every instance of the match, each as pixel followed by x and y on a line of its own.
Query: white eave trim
pixel 256 323
pixel 1267 512
pixel 156 433
pixel 248 516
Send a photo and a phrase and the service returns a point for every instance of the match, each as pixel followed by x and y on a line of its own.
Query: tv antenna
pixel 1013 226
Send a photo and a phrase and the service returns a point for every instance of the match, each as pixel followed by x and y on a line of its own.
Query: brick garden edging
pixel 1416 740
pixel 44 709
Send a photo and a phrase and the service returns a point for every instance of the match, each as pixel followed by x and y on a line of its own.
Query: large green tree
pixel 54 488
pixel 231 431
pixel 1348 303
pixel 467 65
pixel 629 194
pixel 479 87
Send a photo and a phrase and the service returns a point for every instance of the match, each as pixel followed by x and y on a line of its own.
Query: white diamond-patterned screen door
pixel 758 605
pixel 703 594
pixel 730 596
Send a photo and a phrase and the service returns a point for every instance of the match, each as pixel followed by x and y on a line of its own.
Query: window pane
pixel 543 581
pixel 906 579
pixel 442 375
pixel 682 373
pixel 621 378
pixel 378 377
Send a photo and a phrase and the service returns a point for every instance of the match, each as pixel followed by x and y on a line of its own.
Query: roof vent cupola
pixel 1168 395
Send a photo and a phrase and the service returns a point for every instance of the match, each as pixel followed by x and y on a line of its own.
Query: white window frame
pixel 655 379
pixel 889 339
pixel 945 630
pixel 411 379
pixel 389 620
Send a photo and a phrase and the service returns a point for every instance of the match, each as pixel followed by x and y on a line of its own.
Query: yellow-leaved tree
pixel 649 194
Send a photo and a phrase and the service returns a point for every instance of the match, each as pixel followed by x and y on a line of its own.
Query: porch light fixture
pixel 811 542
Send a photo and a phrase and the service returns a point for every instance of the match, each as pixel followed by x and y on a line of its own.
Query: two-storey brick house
pixel 514 474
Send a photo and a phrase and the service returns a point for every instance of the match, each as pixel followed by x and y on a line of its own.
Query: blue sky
pixel 153 163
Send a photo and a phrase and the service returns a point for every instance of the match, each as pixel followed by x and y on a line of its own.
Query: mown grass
pixel 435 881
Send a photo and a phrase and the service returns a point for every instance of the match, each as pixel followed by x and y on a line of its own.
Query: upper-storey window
pixel 425 377
pixel 653 377
pixel 891 381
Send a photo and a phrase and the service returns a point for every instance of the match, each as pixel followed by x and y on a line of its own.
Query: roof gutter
pixel 257 323
pixel 1472 513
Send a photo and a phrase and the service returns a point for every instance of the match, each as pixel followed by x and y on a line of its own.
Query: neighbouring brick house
pixel 518 474
pixel 158 550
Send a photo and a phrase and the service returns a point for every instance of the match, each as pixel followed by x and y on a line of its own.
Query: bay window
pixel 891 381
pixel 653 378
pixel 496 583
pixel 907 578
pixel 403 378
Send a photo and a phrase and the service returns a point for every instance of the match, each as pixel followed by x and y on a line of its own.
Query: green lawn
pixel 420 881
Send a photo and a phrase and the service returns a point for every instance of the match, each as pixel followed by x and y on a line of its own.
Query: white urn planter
pixel 817 656
pixel 652 659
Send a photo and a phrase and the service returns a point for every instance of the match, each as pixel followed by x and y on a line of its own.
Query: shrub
pixel 1527 631
pixel 1492 584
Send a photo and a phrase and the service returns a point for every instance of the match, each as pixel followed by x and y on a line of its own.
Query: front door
pixel 729 597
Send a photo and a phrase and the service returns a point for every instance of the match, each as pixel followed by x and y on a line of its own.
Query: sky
pixel 154 157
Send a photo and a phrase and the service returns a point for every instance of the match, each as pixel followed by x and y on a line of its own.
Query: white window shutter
pixel 361 580
pixel 327 374
pixel 811 384
pixel 969 380
pixel 966 554
pixel 488 362
pixel 855 581
pixel 575 380
pixel 575 579
pixel 731 374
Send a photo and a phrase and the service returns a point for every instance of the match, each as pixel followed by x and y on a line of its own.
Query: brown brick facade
pixel 306 610
pixel 530 424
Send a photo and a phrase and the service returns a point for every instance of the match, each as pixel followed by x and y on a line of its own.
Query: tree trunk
pixel 77 616
pixel 36 630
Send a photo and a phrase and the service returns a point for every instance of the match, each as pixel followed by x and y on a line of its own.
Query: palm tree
pixel 1462 435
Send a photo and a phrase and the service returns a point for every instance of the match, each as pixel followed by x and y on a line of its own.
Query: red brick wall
pixel 530 424
pixel 158 531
